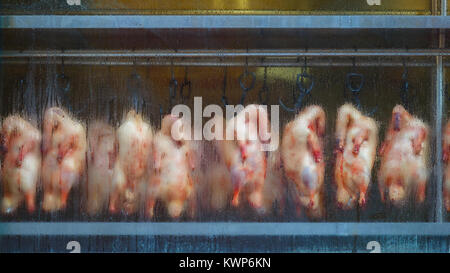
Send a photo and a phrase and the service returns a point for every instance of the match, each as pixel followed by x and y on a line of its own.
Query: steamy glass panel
pixel 101 94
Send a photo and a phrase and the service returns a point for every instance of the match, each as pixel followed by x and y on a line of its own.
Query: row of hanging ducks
pixel 131 167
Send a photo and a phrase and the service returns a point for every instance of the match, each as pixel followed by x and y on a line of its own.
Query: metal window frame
pixel 440 23
pixel 221 229
pixel 439 106
pixel 224 22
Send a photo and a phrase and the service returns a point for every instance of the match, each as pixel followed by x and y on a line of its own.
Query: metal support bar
pixel 281 53
pixel 223 21
pixel 439 112
pixel 438 128
pixel 444 8
pixel 291 62
pixel 223 229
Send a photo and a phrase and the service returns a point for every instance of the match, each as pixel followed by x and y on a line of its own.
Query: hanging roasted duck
pixel 357 139
pixel 216 191
pixel 21 158
pixel 245 157
pixel 131 169
pixel 64 157
pixel 302 156
pixel 173 162
pixel 217 182
pixel 404 170
pixel 274 192
pixel 101 156
pixel 214 188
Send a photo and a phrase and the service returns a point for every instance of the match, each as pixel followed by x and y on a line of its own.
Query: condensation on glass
pixel 103 92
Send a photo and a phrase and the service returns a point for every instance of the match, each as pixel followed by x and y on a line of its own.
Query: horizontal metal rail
pixel 224 21
pixel 439 116
pixel 223 229
pixel 281 53
pixel 221 63
pixel 278 58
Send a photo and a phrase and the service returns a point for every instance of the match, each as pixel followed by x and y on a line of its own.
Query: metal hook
pixel 301 80
pixel 134 84
pixel 134 74
pixel 351 78
pixel 62 77
pixel 354 82
pixel 303 91
pixel 21 85
pixel 63 87
pixel 224 97
pixel 295 109
pixel 405 73
pixel 173 85
pixel 184 84
pixel 21 89
pixel 350 81
pixel 134 66
pixel 405 86
pixel 246 89
pixel 62 65
pixel 264 89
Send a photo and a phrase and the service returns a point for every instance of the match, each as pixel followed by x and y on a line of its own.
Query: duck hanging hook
pixel 405 86
pixel 19 98
pixel 134 86
pixel 355 82
pixel 63 85
pixel 62 76
pixel 246 89
pixel 264 92
pixel 185 83
pixel 173 85
pixel 224 88
pixel 303 90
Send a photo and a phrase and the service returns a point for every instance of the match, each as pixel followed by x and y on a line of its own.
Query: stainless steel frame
pixel 223 229
pixel 224 21
pixel 384 57
pixel 440 79
pixel 438 138
pixel 282 53
pixel 219 62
